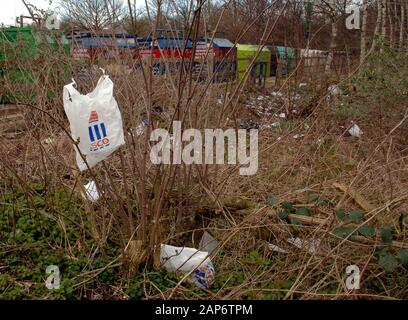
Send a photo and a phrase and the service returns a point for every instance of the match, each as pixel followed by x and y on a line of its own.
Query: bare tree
pixel 364 32
pixel 402 25
pixel 94 15
pixel 377 25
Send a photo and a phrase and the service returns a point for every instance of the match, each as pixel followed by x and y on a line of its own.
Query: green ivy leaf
pixel 367 231
pixel 272 199
pixel 340 214
pixel 386 234
pixel 356 216
pixel 388 262
pixel 403 256
pixel 283 214
pixel 343 231
pixel 287 206
pixel 303 211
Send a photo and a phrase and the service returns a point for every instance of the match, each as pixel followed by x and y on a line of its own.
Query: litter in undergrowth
pixel 298 136
pixel 91 191
pixel 249 124
pixel 275 125
pixel 334 90
pixel 141 128
pixel 275 248
pixel 189 260
pixel 355 131
pixel 276 94
pixel 208 243
pixel 282 115
pixel 48 141
pixel 309 245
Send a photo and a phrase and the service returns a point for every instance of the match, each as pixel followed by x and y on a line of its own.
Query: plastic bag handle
pixel 72 84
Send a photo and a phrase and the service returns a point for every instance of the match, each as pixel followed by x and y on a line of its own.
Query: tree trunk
pixel 384 19
pixel 333 45
pixel 391 23
pixel 363 52
pixel 402 25
pixel 377 24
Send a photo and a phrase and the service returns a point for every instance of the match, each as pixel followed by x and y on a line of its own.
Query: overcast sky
pixel 9 9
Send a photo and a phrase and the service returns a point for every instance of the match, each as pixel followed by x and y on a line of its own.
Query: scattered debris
pixel 48 141
pixel 276 94
pixel 334 90
pixel 302 85
pixel 249 124
pixel 189 260
pixel 309 245
pixel 275 248
pixel 141 128
pixel 275 125
pixel 298 136
pixel 91 191
pixel 355 131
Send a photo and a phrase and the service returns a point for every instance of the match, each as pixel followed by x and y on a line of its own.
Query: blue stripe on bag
pixel 103 130
pixel 98 135
pixel 91 136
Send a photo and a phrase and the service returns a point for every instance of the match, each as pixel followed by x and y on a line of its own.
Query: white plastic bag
pixel 95 121
pixel 208 243
pixel 310 245
pixel 185 260
pixel 91 191
pixel 355 131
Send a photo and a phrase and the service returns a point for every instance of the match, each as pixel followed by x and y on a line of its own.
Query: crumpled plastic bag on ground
pixel 91 191
pixel 188 260
pixel 355 131
pixel 310 245
pixel 208 243
pixel 275 248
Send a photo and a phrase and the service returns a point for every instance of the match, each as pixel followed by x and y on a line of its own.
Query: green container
pixel 261 67
pixel 18 47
